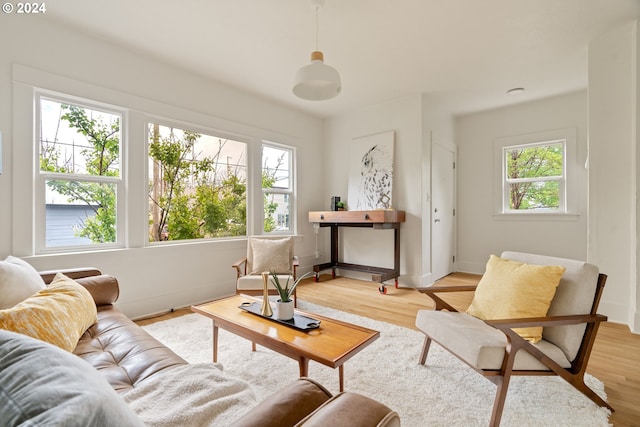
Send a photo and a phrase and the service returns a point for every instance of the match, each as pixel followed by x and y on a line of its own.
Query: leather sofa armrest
pixel 286 407
pixel 104 288
pixel 73 273
pixel 351 410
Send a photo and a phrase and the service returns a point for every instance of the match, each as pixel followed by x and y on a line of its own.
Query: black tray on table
pixel 299 321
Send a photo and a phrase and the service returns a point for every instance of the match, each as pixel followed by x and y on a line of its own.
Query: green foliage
pixel 100 159
pixel 285 291
pixel 524 165
pixel 188 201
pixel 270 206
pixel 268 179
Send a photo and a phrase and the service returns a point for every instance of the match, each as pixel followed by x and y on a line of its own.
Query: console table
pixel 378 220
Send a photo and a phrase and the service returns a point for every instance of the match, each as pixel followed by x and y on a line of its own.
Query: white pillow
pixel 18 281
pixel 271 255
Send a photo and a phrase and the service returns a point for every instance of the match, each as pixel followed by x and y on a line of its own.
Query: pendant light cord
pixel 317 31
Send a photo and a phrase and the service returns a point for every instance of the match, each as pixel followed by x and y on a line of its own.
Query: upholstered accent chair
pixel 495 347
pixel 266 253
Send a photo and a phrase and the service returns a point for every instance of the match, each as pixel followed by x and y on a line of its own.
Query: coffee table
pixel 331 344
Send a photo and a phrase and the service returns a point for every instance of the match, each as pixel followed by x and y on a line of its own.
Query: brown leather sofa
pixel 126 355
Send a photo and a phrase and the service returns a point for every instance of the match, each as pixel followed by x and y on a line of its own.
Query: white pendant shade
pixel 317 81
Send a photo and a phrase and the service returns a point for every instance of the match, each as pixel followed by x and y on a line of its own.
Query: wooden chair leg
pixel 425 350
pixel 578 383
pixel 502 383
pixel 498 403
pixel 253 346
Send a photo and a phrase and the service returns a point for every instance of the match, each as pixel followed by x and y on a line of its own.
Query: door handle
pixel 436 220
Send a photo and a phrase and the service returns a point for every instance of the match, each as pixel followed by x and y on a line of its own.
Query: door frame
pixel 450 147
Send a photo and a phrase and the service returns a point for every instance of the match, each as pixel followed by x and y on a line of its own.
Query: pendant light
pixel 317 81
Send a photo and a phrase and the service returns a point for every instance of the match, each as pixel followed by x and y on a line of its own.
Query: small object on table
pixel 266 306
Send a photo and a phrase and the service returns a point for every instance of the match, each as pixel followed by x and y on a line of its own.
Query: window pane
pixel 78 140
pixel 276 212
pixel 197 185
pixel 535 195
pixel 79 213
pixel 535 162
pixel 276 168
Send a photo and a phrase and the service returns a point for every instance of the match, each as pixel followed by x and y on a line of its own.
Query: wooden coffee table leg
pixel 341 375
pixel 215 342
pixel 304 366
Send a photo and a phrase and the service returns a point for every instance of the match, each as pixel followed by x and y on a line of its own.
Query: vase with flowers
pixel 284 305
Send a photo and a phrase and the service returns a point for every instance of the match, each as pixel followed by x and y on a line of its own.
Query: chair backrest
pixel 269 253
pixel 575 295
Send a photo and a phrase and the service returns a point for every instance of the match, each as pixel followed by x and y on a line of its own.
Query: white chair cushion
pixel 253 282
pixel 480 345
pixel 574 295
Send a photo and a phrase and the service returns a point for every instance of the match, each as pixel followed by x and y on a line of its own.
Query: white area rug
pixel 445 392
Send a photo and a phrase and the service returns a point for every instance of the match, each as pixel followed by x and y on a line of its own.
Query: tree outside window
pixel 534 176
pixel 197 185
pixel 277 188
pixel 79 158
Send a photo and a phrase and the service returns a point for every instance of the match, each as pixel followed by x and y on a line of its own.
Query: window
pixel 536 172
pixel 79 181
pixel 197 185
pixel 277 188
pixel 534 176
pixel 107 176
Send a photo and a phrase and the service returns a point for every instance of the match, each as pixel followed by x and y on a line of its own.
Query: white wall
pixel 375 247
pixel 613 171
pixel 480 232
pixel 152 279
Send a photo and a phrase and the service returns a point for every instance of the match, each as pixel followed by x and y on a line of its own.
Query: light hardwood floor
pixel 615 359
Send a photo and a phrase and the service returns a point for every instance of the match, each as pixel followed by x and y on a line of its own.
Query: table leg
pixel 215 342
pixel 335 238
pixel 304 366
pixel 341 375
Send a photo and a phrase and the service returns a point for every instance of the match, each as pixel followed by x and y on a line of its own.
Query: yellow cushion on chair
pixel 58 314
pixel 511 290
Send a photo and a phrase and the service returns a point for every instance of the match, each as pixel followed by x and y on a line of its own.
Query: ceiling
pixel 466 53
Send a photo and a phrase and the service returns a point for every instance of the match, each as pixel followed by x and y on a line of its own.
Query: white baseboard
pixel 615 312
pixel 426 280
pixel 135 309
pixel 470 267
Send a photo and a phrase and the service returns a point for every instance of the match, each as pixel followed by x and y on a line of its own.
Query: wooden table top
pixel 331 344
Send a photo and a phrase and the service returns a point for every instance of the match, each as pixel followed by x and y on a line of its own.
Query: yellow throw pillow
pixel 58 314
pixel 511 290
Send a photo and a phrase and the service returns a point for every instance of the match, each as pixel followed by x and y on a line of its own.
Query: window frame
pixel 568 188
pixel 133 212
pixel 41 177
pixel 291 192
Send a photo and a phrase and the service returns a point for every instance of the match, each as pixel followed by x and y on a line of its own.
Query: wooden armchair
pixel 266 253
pixel 492 347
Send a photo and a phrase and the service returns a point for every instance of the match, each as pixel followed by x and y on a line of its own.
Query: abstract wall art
pixel 371 172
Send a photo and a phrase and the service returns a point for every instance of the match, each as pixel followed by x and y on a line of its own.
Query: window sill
pixel 539 216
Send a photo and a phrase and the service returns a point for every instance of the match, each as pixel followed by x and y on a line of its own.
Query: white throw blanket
pixel 190 395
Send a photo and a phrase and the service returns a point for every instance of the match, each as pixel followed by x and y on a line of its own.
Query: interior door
pixel 443 210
